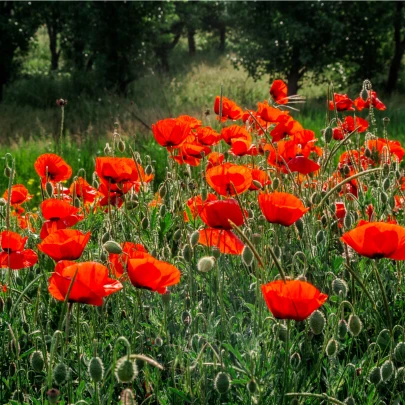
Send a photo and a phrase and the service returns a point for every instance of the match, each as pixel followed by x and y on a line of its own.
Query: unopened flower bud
pixel 317 322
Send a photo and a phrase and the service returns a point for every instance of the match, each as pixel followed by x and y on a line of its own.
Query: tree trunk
pixel 53 37
pixel 191 41
pixel 395 65
pixel 222 37
pixel 293 78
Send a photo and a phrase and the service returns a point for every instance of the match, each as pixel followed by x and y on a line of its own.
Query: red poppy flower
pixel 253 121
pixel 226 241
pixel 340 210
pixel 14 256
pixel 152 274
pixel 216 214
pixel 281 153
pixel 113 170
pixel 394 147
pixel 281 208
pixel 207 136
pixel 376 240
pixel 342 103
pixel 82 189
pixel 118 262
pixel 59 215
pixel 229 109
pixel 286 126
pixel 195 204
pixel 53 166
pixel 269 113
pixel 261 176
pixel 303 165
pixel 349 125
pixel 194 149
pixel 19 194
pixel 361 104
pixel 171 132
pixel 293 299
pixel 229 179
pixel 65 244
pixel 215 159
pixel 156 202
pixel 183 159
pixel 91 282
pixel 243 147
pixel 278 91
pixel 191 121
pixel 233 132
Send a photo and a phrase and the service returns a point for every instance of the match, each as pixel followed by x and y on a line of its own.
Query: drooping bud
pixel 399 352
pixel 222 383
pixel 37 361
pixel 332 348
pixel 205 264
pixel 355 325
pixel 96 369
pixel 342 329
pixel 247 256
pixel 125 370
pixel 375 375
pixel 387 370
pixel 339 287
pixel 60 373
pixel 187 253
pixel 121 146
pixel 112 247
pixel 194 238
pixel 317 322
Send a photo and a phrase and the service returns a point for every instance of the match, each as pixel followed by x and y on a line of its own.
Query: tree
pixel 18 24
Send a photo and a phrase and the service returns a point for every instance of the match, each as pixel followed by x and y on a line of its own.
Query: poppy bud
pixel 159 341
pixel 7 172
pixel 121 146
pixel 61 102
pixel 257 184
pixel 295 360
pixel 107 149
pixel 112 247
pixel 364 94
pixel 256 238
pixel 247 256
pixel 127 397
pixel 53 395
pixel 384 339
pixel 355 325
pixel 315 198
pixel 103 256
pixel 37 361
pixel 9 303
pixel 162 191
pixel 251 386
pixel 125 370
pixel 186 318
pixel 60 373
pixel 328 133
pixel 3 202
pixel 401 374
pixel 347 221
pixel 205 264
pixel 320 237
pixel 281 331
pixel 166 297
pixel 261 219
pixel 386 184
pixel 187 253
pixel 131 205
pixel 194 238
pixel 167 253
pixel 145 223
pixel 386 169
pixel 375 375
pixel 339 287
pixel 1 305
pixel 222 383
pixel 349 401
pixel 367 153
pixel 342 329
pixel 384 197
pixel 275 183
pixel 332 348
pixel 387 370
pixel 300 226
pixel 397 174
pixel 317 322
pixel 216 253
pixel 346 170
pixel 18 396
pixel 177 235
pixel 96 369
pixel 49 189
pixel 399 352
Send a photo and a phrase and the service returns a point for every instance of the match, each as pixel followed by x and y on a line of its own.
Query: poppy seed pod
pixel 125 370
pixel 60 373
pixel 281 331
pixel 317 322
pixel 37 361
pixel 112 247
pixel 375 375
pixel 205 264
pixel 222 383
pixel 355 325
pixel 387 370
pixel 216 253
pixel 96 369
